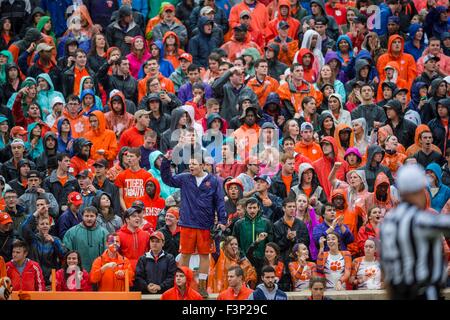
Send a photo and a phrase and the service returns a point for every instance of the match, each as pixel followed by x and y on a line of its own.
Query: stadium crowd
pixel 246 148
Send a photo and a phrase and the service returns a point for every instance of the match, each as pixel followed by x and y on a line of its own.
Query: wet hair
pixel 315 280
pixel 237 271
pixel 20 244
pixel 91 209
pixel 267 269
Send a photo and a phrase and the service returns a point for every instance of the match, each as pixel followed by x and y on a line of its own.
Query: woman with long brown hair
pixel 219 264
pixel 138 55
pixel 97 53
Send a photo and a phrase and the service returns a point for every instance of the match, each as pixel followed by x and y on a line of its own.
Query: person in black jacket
pixel 159 120
pixel 120 32
pixel 155 270
pixel 53 185
pixel 203 44
pixel 271 205
pixel 9 169
pixel 171 235
pixel 7 236
pixel 220 17
pixel 68 77
pixel 23 167
pixel 120 80
pixel 276 68
pixel 12 84
pixel 402 128
pixel 279 187
pixel 101 182
pixel 50 142
pixel 437 91
pixel 373 166
pixel 440 136
pixel 183 12
pixel 290 230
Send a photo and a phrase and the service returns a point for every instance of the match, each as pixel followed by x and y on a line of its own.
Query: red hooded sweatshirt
pixel 324 165
pixel 153 206
pixel 133 244
pixel 189 294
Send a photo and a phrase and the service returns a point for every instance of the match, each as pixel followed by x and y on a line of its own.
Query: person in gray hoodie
pixel 178 120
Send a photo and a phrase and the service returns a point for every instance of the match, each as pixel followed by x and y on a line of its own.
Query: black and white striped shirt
pixel 411 247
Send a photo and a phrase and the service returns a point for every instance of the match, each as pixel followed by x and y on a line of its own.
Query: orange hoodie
pixel 189 294
pixel 102 139
pixel 311 150
pixel 78 124
pixel 133 244
pixel 324 165
pixel 350 218
pixel 341 149
pixel 400 83
pixel 153 206
pixel 371 199
pixel 108 280
pixel 173 57
pixel 262 90
pixel 294 24
pixel 407 71
pixel 166 84
pixel 416 147
pixel 393 161
pixel 310 73
pixel 118 122
pixel 234 48
pixel 286 56
pixel 288 91
pixel 259 16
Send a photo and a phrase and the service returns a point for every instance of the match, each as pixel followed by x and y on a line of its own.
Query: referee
pixel 412 255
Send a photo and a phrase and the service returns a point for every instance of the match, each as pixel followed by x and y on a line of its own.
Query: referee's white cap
pixel 411 178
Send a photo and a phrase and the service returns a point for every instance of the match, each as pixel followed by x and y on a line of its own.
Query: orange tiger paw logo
pixel 335 266
pixel 370 273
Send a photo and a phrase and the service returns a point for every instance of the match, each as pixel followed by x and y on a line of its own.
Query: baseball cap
pixel 101 163
pixel 283 24
pixel 411 178
pixel 241 27
pixel 158 234
pixel 43 47
pixel 429 57
pixel 138 114
pixel 206 10
pixel 244 13
pixel 5 218
pixel 75 198
pixel 130 211
pixel 398 90
pixel 17 130
pixel 33 174
pixel 138 204
pixel 84 174
pixel 263 177
pixel 18 141
pixel 186 56
pixel 168 7
pixel 306 126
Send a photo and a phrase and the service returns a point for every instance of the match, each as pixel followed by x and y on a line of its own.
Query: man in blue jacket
pixel 201 197
pixel 380 22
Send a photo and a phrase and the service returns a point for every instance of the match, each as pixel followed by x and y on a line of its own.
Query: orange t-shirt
pixel 63 180
pixel 132 183
pixel 287 180
pixel 308 191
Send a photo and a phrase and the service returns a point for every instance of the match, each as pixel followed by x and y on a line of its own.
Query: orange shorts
pixel 195 241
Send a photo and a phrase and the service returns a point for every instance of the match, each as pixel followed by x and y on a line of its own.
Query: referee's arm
pixel 435 223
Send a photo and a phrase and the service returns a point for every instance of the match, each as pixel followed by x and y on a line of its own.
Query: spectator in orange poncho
pixel 381 196
pixel 182 286
pixel 288 46
pixel 104 142
pixel 344 136
pixel 109 270
pixel 228 257
pixel 390 74
pixel 172 48
pixel 240 41
pixel 416 147
pixel 351 218
pixel 392 158
pixel 284 14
